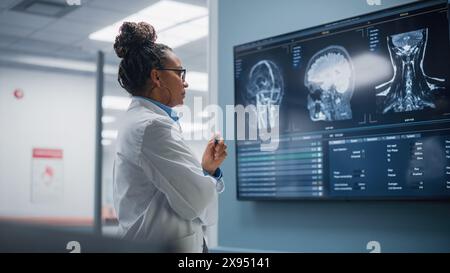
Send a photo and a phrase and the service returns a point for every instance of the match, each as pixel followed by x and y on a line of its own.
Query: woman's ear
pixel 154 76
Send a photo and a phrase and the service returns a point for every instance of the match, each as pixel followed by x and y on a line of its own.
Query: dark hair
pixel 136 45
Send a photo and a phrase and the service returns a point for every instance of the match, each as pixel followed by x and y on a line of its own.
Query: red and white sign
pixel 47 180
pixel 48 153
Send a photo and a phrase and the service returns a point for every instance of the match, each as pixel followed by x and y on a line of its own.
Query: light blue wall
pixel 312 226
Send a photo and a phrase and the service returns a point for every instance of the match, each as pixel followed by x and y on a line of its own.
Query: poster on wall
pixel 47 175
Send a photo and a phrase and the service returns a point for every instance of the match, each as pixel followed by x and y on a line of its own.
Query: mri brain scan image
pixel 265 90
pixel 410 89
pixel 330 80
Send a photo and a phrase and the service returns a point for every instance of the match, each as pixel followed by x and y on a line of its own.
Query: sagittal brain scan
pixel 265 90
pixel 330 80
pixel 410 89
pixel 361 108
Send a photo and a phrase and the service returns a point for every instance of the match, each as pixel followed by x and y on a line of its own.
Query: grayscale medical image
pixel 265 89
pixel 330 79
pixel 410 89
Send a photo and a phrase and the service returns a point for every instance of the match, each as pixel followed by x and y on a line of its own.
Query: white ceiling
pixel 68 36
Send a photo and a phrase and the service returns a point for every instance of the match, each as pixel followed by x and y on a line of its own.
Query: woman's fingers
pixel 220 155
pixel 221 145
pixel 220 148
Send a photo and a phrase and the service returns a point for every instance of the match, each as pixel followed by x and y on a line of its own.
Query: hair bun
pixel 133 35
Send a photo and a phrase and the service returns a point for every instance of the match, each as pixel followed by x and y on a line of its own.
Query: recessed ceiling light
pixel 189 23
pixel 110 134
pixel 44 8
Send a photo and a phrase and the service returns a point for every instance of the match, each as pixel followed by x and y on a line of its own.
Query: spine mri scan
pixel 265 90
pixel 410 88
pixel 330 79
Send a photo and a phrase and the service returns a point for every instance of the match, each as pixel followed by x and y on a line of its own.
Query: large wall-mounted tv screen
pixel 361 108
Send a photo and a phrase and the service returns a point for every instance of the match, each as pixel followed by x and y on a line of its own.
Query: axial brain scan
pixel 265 90
pixel 330 81
pixel 410 88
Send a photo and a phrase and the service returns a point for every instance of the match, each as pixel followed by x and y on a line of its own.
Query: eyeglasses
pixel 181 71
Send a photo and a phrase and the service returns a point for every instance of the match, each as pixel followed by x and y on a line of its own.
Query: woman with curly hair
pixel 162 193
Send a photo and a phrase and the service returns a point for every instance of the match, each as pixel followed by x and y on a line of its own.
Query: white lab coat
pixel 161 194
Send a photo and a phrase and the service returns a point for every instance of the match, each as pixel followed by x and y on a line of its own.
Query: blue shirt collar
pixel 172 114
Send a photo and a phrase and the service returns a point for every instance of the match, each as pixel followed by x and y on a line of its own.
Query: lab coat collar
pixel 172 114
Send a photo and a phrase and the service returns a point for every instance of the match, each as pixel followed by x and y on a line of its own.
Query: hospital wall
pixel 298 226
pixel 57 111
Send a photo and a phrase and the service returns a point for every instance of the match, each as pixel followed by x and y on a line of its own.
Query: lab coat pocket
pixel 186 244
